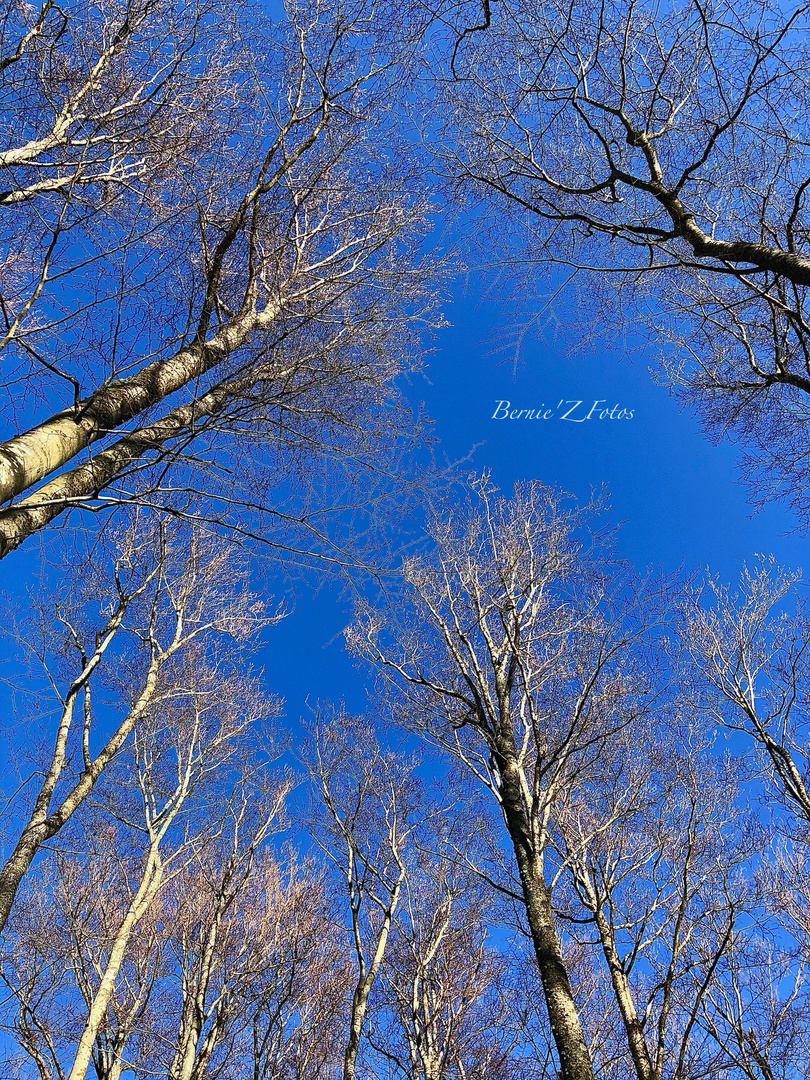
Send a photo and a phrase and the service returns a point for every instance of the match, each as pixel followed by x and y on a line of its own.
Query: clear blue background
pixel 677 497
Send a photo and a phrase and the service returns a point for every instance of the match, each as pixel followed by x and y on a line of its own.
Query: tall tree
pixel 366 806
pixel 522 649
pixel 751 648
pixel 509 659
pixel 447 1009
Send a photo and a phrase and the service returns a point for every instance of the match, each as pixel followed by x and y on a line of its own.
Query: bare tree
pixel 56 946
pixel 170 798
pixel 750 648
pixel 366 807
pixel 655 155
pixel 447 1007
pixel 753 655
pixel 225 263
pixel 297 1009
pixel 657 851
pixel 108 100
pixel 136 635
pixel 521 649
pixel 507 654
pixel 186 744
pixel 758 1013
pixel 220 926
pixel 253 984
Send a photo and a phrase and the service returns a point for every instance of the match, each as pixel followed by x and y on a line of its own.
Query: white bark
pixel 147 891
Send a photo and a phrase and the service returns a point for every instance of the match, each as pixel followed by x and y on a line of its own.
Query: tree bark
pixel 42 824
pixel 87 480
pixel 30 457
pixel 627 1008
pixel 193 1015
pixel 150 883
pixel 363 989
pixel 566 1029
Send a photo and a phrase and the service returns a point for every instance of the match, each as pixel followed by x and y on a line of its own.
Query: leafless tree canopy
pixel 585 702
pixel 569 839
pixel 655 155
pixel 578 882
pixel 211 258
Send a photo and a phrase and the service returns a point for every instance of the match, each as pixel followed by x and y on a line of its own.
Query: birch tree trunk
pixel 147 890
pixel 45 823
pixel 192 593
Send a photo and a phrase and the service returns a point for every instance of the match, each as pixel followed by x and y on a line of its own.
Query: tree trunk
pixel 87 480
pixel 566 1029
pixel 43 825
pixel 35 454
pixel 193 1016
pixel 152 877
pixel 363 989
pixel 16 866
pixel 621 988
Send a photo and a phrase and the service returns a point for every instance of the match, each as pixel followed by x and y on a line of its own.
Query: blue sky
pixel 677 496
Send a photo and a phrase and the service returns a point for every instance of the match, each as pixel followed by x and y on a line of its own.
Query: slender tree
pixel 135 634
pixel 446 1009
pixel 750 647
pixel 366 806
pixel 511 660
